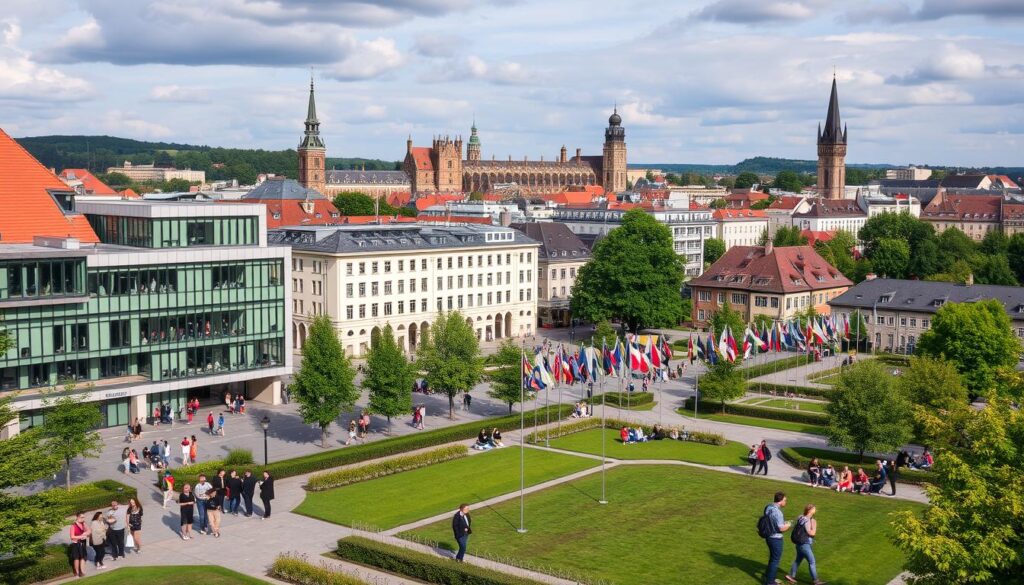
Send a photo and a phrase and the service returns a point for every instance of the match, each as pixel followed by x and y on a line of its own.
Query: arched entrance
pixel 412 337
pixel 508 324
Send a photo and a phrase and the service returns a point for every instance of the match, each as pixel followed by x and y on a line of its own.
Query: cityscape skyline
pixel 935 82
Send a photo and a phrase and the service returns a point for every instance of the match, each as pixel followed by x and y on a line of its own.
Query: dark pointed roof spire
pixel 311 137
pixel 311 110
pixel 833 132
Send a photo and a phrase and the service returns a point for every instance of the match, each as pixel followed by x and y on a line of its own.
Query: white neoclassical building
pixel 366 277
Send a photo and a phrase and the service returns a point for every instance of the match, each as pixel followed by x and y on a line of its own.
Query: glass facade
pixel 144 232
pixel 49 277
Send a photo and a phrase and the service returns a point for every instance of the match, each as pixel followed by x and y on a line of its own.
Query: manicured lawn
pixel 398 499
pixel 169 575
pixel 782 425
pixel 732 453
pixel 803 405
pixel 668 524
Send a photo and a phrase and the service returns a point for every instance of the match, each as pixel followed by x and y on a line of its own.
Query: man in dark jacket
pixel 248 491
pixel 461 529
pixel 266 493
pixel 234 484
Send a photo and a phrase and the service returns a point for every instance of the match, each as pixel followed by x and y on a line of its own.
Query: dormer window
pixel 938 302
pixel 886 298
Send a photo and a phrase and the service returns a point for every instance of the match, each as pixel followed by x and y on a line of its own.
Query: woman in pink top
pixel 80 533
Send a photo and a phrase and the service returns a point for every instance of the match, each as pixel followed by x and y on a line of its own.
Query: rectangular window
pixel 775 302
pixel 387 309
pixel 704 295
pixel 348 312
pixel 373 309
pixel 373 267
pixel 913 322
pixel 449 263
pixel 374 288
pixel 925 323
pixel 440 283
pixel 401 307
pixel 401 286
pixel 362 311
pixel 387 287
pixel 362 289
pixel 760 301
pixel 700 314
pixel 387 266
pixel 721 298
pixel 412 285
pixel 423 306
pixel 401 265
pixel 362 268
pixel 880 320
pixel 903 321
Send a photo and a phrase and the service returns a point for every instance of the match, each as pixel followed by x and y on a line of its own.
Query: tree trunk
pixel 389 425
pixel 861 452
pixel 323 437
pixel 67 473
pixel 451 406
pixel 510 404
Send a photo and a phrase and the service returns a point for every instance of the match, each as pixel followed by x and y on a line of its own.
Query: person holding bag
pixel 98 539
pixel 803 537
pixel 134 539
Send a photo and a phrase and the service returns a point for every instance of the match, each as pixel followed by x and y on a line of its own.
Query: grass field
pixel 398 499
pixel 667 524
pixel 732 453
pixel 170 575
pixel 765 423
pixel 804 405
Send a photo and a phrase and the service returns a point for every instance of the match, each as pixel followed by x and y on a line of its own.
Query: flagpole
pixel 604 439
pixel 522 448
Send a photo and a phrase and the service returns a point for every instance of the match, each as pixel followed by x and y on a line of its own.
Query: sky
pixel 696 81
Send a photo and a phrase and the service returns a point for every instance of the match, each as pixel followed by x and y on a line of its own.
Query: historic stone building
pixel 832 152
pixel 441 168
pixel 312 151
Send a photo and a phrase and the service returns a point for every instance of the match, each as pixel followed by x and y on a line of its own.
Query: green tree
pixel 243 172
pixel 867 411
pixel 69 426
pixel 507 378
pixel 932 384
pixel 116 180
pixel 959 272
pixel 897 226
pixel 476 196
pixel 891 258
pixel 178 185
pixel 788 181
pixel 995 242
pixel 719 203
pixel 389 377
pixel 995 269
pixel 789 236
pixel 635 276
pixel 450 354
pixel 714 248
pixel 323 386
pixel 1015 254
pixel 956 245
pixel 686 308
pixel 727 317
pixel 722 382
pixel 649 175
pixel 604 332
pixel 354 203
pixel 925 260
pixel 976 338
pixel 727 182
pixel 971 531
pixel 838 251
pixel 746 180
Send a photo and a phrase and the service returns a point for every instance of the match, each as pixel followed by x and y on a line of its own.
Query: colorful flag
pixel 709 349
pixel 690 354
pixel 652 353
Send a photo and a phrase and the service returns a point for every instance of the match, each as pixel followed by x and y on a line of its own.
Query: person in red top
pixel 80 533
pixel 624 435
pixel 209 421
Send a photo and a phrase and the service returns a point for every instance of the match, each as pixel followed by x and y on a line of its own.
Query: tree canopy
pixel 69 427
pixel 714 248
pixel 722 382
pixel 323 386
pixel 389 377
pixel 976 338
pixel 746 180
pixel 789 236
pixel 867 412
pixel 507 378
pixel 355 203
pixel 635 276
pixel 891 258
pixel 450 354
pixel 788 181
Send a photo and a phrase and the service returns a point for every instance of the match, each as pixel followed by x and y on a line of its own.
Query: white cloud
pixel 756 11
pixel 26 82
pixel 949 63
pixel 179 94
pixel 375 112
pixel 367 59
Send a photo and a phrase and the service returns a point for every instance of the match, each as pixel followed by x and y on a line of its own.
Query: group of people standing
pixel 119 528
pixel 207 502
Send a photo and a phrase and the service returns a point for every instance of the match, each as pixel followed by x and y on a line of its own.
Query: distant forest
pixel 97 153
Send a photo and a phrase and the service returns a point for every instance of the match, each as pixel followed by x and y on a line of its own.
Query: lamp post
pixel 265 424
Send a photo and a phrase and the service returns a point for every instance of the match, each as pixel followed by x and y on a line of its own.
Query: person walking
pixel 764 455
pixel 248 490
pixel 117 521
pixel 186 447
pixel 187 502
pixel 803 537
pixel 352 434
pixel 220 424
pixel 894 469
pixel 202 491
pixel 467 401
pixel 266 493
pixel 770 527
pixel 234 495
pixel 165 454
pixel 135 523
pixel 98 539
pixel 214 508
pixel 209 422
pixel 461 528
pixel 423 415
pixel 80 534
pixel 193 450
pixel 752 458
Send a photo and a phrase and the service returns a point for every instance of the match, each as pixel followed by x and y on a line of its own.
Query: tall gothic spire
pixel 833 132
pixel 311 111
pixel 311 137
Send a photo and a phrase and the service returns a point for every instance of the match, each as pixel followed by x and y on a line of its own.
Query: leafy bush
pixel 614 423
pixel 93 496
pixel 784 388
pixel 800 457
pixel 297 569
pixel 53 563
pixel 799 416
pixel 373 450
pixel 238 457
pixel 333 479
pixel 424 567
pixel 623 399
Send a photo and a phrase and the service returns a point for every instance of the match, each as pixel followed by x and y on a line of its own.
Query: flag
pixel 527 368
pixel 709 349
pixel 638 360
pixel 734 351
pixel 765 338
pixel 819 333
pixel 666 349
pixel 557 365
pixel 846 327
pixel 537 380
pixel 540 362
pixel 751 344
pixel 617 354
pixel 690 355
pixel 727 345
pixel 652 353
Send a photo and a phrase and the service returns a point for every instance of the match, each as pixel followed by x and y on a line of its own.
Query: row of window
pixel 42 278
pixel 766 301
pixel 453 262
pixel 139 232
pixel 453 302
pixel 904 321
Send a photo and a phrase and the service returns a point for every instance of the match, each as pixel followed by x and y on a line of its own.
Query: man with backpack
pixel 770 527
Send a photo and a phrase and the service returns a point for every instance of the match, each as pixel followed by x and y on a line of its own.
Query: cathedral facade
pixel 442 168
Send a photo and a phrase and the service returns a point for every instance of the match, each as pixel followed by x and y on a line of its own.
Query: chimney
pixel 870 276
pixel 505 218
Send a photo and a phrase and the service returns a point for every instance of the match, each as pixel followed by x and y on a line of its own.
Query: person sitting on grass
pixel 814 472
pixel 828 477
pixel 624 435
pixel 496 437
pixel 639 434
pixel 483 441
pixel 656 432
pixel 576 413
pixel 861 482
pixel 845 480
pixel 928 460
pixel 880 477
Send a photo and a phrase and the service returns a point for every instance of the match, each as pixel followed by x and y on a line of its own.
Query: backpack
pixel 799 535
pixel 765 525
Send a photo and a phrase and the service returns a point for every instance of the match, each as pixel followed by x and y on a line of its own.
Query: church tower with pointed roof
pixel 614 160
pixel 832 151
pixel 473 146
pixel 312 151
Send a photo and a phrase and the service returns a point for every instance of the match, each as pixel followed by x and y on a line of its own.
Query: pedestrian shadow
pixel 173 521
pixel 749 566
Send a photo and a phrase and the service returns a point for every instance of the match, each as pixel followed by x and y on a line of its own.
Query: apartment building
pixel 560 257
pixel 740 227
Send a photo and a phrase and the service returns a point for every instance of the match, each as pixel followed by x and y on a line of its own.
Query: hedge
pixel 296 569
pixel 624 399
pixel 785 388
pixel 773 366
pixel 813 418
pixel 594 422
pixel 52 564
pixel 373 450
pixel 838 459
pixel 93 496
pixel 824 374
pixel 346 476
pixel 424 567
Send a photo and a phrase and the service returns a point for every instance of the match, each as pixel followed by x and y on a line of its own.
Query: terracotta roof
pixel 485 220
pixel 421 158
pixel 130 193
pixel 291 212
pixel 90 183
pixel 781 270
pixel 749 196
pixel 815 236
pixel 738 214
pixel 426 201
pixel 963 207
pixel 1005 180
pixel 398 198
pixel 570 198
pixel 26 207
pixel 786 202
pixel 1013 211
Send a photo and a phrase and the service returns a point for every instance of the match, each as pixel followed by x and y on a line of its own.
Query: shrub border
pixel 349 475
pixel 908 476
pixel 759 412
pixel 52 564
pixel 296 569
pixel 594 422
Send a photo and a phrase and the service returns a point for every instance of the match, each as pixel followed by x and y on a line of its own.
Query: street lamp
pixel 265 424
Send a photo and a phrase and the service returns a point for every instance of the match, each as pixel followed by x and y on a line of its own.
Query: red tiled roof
pixel 1014 211
pixel 570 198
pixel 1005 180
pixel 421 158
pixel 290 212
pixel 963 207
pixel 815 236
pixel 426 201
pixel 422 218
pixel 782 270
pixel 788 202
pixel 748 196
pixel 398 198
pixel 130 193
pixel 26 208
pixel 92 185
pixel 738 214
pixel 493 197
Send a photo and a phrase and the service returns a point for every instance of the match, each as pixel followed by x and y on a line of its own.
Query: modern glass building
pixel 169 301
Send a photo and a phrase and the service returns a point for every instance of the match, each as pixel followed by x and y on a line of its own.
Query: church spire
pixel 833 132
pixel 311 111
pixel 311 137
